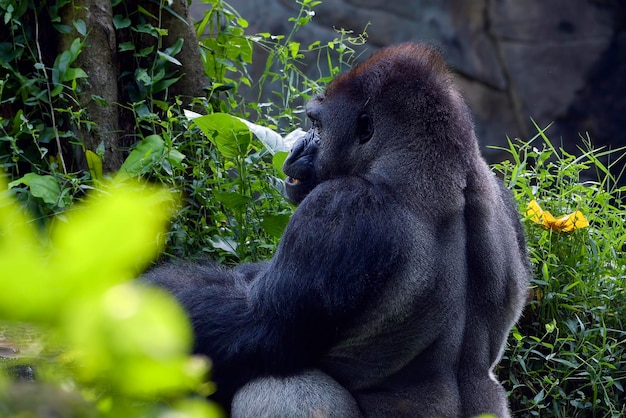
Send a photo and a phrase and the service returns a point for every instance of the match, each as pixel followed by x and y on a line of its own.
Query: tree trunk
pixel 100 95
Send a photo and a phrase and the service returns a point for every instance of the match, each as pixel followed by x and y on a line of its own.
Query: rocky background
pixel 561 61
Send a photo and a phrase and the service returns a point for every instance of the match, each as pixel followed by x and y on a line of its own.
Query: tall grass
pixel 567 356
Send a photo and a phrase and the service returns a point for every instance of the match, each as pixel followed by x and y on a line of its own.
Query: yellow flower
pixel 565 223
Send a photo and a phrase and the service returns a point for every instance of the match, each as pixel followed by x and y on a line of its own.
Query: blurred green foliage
pixel 114 343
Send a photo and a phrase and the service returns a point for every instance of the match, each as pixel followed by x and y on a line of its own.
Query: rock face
pixel 561 61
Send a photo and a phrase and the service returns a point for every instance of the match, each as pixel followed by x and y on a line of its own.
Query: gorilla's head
pixel 392 119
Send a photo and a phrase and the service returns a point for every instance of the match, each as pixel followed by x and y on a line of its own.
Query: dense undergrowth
pixel 565 358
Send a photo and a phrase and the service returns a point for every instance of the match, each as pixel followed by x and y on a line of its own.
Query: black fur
pixel 399 276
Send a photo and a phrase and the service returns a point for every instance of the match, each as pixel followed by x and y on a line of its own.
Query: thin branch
pixel 54 122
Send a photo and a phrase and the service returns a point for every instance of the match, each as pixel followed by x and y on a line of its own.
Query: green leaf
pixel 126 46
pixel 80 27
pixel 229 134
pixel 240 48
pixel 146 28
pixel 144 52
pixel 271 139
pixel 75 48
pixel 94 229
pixel 45 187
pixel 142 76
pixel 95 165
pixel 169 58
pixel 164 84
pixel 566 363
pixel 143 156
pixel 278 160
pixel 231 200
pixel 195 408
pixel 129 339
pixel 57 89
pixel 121 22
pixel 102 337
pixel 314 45
pixel 147 13
pixel 8 53
pixel 64 29
pixel 225 244
pixel 274 225
pixel 61 64
pixel 175 48
pixel 175 157
pixel 74 73
pixel 294 48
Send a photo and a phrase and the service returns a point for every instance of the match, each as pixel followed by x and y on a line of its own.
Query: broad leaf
pixel 229 134
pixel 145 153
pixel 274 225
pixel 231 200
pixel 45 187
pixel 271 139
pixel 225 244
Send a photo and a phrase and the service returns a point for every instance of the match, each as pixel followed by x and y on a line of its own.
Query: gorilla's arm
pixel 513 214
pixel 498 276
pixel 337 249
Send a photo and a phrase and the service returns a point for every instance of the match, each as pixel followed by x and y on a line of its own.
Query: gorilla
pixel 399 276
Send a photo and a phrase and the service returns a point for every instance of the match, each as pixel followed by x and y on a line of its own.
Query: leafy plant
pixel 233 208
pixel 248 190
pixel 566 358
pixel 290 87
pixel 156 139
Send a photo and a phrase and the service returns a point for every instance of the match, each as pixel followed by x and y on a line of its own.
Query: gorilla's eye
pixel 365 128
pixel 313 112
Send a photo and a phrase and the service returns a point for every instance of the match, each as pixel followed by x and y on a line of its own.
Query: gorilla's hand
pixel 300 167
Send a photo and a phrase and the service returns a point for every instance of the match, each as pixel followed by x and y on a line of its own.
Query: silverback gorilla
pixel 399 276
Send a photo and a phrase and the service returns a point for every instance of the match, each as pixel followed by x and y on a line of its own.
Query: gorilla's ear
pixel 365 128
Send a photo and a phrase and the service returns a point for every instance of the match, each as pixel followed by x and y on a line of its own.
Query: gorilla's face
pixel 332 148
pixel 389 114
